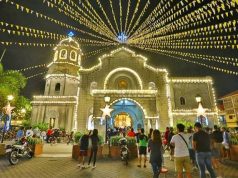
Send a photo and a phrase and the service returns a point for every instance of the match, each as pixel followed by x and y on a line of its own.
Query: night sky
pixel 17 57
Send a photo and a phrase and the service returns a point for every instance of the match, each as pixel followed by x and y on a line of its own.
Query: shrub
pixel 41 126
pixel 114 141
pixel 101 140
pixel 234 139
pixel 34 140
pixel 77 136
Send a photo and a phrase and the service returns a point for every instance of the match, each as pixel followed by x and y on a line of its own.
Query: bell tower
pixel 62 78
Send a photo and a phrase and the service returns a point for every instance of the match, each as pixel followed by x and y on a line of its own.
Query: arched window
pixel 63 54
pixel 57 87
pixel 73 55
pixel 182 100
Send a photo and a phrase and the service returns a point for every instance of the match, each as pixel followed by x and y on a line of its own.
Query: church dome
pixel 69 42
pixel 68 50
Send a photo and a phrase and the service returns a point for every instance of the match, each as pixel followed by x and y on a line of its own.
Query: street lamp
pixel 106 113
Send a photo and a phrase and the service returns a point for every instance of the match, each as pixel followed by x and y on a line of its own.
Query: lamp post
pixel 7 112
pixel 106 113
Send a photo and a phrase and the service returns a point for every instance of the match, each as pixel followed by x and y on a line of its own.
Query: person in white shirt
pixel 181 152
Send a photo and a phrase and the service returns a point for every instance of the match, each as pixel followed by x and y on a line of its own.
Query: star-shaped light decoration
pixel 8 109
pixel 106 111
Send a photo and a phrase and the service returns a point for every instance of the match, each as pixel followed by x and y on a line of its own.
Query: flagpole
pixel 2 55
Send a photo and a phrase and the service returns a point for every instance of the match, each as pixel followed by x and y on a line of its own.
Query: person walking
pixel 201 145
pixel 94 149
pixel 171 147
pixel 181 153
pixel 217 140
pixel 226 143
pixel 83 149
pixel 155 149
pixel 143 141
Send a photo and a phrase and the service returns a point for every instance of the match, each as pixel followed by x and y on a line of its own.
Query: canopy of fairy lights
pixel 183 30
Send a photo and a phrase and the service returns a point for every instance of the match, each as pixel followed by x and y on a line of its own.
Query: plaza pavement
pixel 49 165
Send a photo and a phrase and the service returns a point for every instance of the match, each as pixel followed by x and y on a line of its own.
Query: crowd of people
pixel 190 148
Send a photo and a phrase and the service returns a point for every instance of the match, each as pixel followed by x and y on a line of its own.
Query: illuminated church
pixel 141 96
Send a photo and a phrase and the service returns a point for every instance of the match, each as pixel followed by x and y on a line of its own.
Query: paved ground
pixel 65 167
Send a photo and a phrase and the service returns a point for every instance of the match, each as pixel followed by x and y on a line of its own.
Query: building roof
pixel 230 94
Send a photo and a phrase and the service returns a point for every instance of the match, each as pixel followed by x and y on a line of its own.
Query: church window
pixel 63 54
pixel 57 87
pixel 73 55
pixel 182 100
pixel 122 85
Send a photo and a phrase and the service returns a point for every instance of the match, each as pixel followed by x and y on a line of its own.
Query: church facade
pixel 141 96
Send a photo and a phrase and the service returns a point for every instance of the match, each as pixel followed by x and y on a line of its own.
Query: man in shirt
pixel 181 153
pixel 143 141
pixel 201 145
pixel 217 138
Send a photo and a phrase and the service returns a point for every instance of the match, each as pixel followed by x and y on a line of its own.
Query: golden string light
pixel 148 21
pixel 168 53
pixel 32 67
pixel 179 29
pixel 81 20
pixel 114 16
pixel 91 9
pixel 133 15
pixel 120 17
pixel 105 15
pixel 36 75
pixel 88 13
pixel 127 13
pixel 192 19
pixel 39 15
pixel 139 18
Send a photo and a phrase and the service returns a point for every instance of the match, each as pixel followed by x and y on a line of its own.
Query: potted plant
pixel 114 151
pixel 133 151
pixel 75 151
pixel 234 146
pixel 36 145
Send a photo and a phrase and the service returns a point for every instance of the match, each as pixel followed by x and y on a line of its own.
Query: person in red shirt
pixel 49 134
pixel 131 133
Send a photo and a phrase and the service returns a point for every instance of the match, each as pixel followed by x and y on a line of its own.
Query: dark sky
pixel 21 57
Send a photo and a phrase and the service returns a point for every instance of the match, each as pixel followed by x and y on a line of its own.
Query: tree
pixel 11 83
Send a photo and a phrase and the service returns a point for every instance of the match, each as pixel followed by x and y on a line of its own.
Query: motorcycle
pixel 18 150
pixel 124 150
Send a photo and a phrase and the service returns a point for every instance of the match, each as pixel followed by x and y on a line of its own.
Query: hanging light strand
pixel 139 18
pixel 96 17
pixel 105 15
pixel 80 19
pixel 133 16
pixel 191 61
pixel 39 15
pixel 114 17
pixel 127 13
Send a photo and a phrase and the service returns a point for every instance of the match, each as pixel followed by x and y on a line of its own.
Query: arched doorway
pixel 127 112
